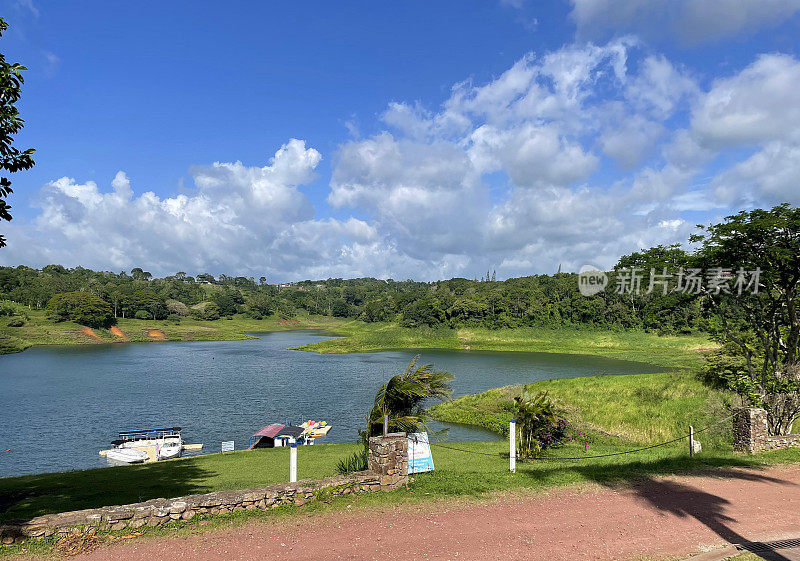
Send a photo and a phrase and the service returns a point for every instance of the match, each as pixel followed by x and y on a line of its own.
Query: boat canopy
pixel 149 433
pixel 270 431
pixel 290 431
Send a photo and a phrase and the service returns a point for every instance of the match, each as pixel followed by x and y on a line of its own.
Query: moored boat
pixel 150 444
pixel 121 456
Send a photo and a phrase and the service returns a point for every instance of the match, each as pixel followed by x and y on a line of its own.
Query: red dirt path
pixel 658 518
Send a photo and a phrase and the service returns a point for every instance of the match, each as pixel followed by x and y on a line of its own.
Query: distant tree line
pixel 539 300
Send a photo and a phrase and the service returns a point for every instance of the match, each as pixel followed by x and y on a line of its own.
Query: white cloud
pixel 768 177
pixel 632 141
pixel 535 125
pixel 252 220
pixel 660 87
pixel 757 105
pixel 28 5
pixel 531 155
pixel 690 20
pixel 513 174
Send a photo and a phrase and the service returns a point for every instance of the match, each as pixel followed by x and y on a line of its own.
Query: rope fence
pixel 559 458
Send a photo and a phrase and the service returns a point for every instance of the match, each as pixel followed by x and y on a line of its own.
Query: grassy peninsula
pixel 636 345
pixel 39 330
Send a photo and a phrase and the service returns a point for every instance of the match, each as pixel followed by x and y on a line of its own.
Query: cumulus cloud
pixel 757 109
pixel 769 176
pixel 240 218
pixel 632 141
pixel 758 104
pixel 534 130
pixel 690 20
pixel 568 157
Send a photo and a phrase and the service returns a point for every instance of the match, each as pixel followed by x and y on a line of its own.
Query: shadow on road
pixel 683 500
pixel 671 497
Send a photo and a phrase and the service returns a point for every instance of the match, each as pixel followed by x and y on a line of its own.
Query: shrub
pixel 81 307
pixel 538 425
pixel 16 322
pixel 177 308
pixel 207 311
pixel 6 310
pixel 357 461
pixel 174 318
pixel 141 314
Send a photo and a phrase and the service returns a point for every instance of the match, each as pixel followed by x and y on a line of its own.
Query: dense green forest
pixel 540 300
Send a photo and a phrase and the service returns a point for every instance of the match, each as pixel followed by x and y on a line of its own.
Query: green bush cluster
pixel 81 307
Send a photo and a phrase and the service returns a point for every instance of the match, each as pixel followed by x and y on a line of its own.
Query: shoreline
pixel 353 336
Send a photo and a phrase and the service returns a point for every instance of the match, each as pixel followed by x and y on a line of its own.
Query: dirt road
pixel 656 518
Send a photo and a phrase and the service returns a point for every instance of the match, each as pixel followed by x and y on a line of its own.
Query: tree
pixel 339 308
pixel 226 301
pixel 404 399
pixel 377 310
pixel 260 305
pixel 81 307
pixel 177 308
pixel 11 158
pixel 208 311
pixel 756 254
pixel 138 274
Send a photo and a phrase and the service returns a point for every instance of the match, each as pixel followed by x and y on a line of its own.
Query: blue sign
pixel 419 453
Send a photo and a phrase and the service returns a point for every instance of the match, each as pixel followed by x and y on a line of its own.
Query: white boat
pixel 156 444
pixel 120 456
pixel 170 448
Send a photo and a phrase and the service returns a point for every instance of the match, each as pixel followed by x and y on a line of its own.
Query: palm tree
pixel 405 397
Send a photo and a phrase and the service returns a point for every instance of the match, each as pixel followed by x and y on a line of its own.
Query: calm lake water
pixel 60 405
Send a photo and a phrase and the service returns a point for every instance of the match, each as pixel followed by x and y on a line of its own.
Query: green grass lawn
pixel 674 351
pixel 637 409
pixel 457 474
pixel 55 492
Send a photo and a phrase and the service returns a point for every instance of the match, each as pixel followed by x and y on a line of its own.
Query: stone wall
pixel 388 455
pixel 750 433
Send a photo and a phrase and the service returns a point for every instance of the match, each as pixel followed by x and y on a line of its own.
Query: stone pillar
pixel 388 458
pixel 749 429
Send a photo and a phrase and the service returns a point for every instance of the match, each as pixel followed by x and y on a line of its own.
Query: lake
pixel 60 405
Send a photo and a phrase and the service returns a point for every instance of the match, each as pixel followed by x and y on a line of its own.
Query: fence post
pixel 512 446
pixel 691 441
pixel 385 425
pixel 292 460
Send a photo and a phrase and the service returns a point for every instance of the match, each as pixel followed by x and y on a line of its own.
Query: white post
pixel 292 460
pixel 385 425
pixel 691 441
pixel 512 446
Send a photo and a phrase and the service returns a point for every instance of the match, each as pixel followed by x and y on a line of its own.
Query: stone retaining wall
pixel 750 433
pixel 388 454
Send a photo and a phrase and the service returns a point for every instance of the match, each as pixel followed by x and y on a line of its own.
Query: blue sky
pixel 420 139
